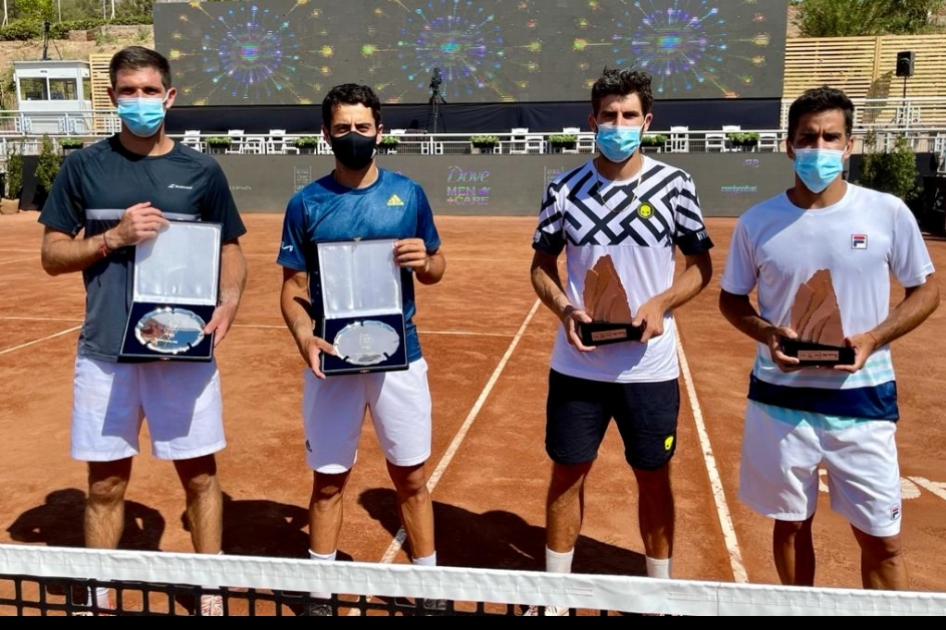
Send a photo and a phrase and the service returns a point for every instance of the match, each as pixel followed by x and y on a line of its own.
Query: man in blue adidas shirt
pixel 842 417
pixel 360 200
pixel 117 193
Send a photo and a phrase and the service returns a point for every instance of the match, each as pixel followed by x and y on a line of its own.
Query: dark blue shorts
pixel 579 411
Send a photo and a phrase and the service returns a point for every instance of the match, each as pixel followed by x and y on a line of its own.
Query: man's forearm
pixel 433 271
pixel 738 311
pixel 548 287
pixel 689 284
pixel 61 253
pixel 916 307
pixel 295 313
pixel 232 273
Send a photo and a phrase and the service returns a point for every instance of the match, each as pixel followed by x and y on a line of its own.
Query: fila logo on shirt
pixel 395 201
pixel 858 241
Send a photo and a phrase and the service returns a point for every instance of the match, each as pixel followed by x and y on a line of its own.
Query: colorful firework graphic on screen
pixel 252 53
pixel 689 46
pixel 293 51
pixel 466 40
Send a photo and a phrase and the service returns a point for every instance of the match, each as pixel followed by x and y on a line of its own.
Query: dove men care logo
pixel 467 187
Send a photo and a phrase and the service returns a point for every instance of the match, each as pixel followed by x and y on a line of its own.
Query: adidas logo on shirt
pixel 395 201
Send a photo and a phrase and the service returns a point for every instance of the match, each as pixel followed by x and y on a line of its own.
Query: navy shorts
pixel 579 411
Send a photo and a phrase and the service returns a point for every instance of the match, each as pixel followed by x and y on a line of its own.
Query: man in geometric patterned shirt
pixel 629 213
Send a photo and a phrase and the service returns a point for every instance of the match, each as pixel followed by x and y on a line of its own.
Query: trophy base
pixel 605 333
pixel 168 332
pixel 371 343
pixel 810 354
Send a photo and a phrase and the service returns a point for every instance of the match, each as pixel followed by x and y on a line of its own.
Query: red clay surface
pixel 489 502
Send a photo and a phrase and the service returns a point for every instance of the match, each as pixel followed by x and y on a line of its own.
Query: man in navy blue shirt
pixel 358 200
pixel 117 193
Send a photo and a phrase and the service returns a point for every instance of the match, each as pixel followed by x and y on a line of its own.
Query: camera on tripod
pixel 436 80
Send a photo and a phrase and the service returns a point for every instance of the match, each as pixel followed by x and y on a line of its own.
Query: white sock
pixel 322 558
pixel 658 568
pixel 429 561
pixel 558 562
pixel 101 597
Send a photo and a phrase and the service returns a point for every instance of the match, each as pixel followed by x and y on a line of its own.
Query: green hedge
pixel 25 30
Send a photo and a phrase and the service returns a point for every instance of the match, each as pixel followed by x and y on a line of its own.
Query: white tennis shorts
pixel 333 412
pixel 181 401
pixel 782 450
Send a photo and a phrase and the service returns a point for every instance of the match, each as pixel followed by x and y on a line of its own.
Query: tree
pixel 47 166
pixel 851 18
pixel 889 171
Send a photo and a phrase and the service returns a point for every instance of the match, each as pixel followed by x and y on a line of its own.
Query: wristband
pixel 876 343
pixel 104 249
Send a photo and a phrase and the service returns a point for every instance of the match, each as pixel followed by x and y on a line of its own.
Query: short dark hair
pixel 136 58
pixel 350 94
pixel 818 100
pixel 614 82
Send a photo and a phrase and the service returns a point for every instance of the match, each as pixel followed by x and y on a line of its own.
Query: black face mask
pixel 354 150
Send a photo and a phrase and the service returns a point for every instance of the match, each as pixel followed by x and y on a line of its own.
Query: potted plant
pixel 13 179
pixel 47 167
pixel 743 139
pixel 389 144
pixel 653 143
pixel 483 144
pixel 306 144
pixel 70 144
pixel 218 144
pixel 563 142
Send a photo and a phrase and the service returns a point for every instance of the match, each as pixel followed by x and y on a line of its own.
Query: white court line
pixel 451 451
pixel 14 318
pixel 32 343
pixel 938 489
pixel 17 260
pixel 716 484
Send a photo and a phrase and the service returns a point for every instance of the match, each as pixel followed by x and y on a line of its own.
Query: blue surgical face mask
pixel 618 143
pixel 142 116
pixel 817 168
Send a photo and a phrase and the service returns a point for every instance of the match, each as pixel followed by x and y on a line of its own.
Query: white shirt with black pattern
pixel 639 222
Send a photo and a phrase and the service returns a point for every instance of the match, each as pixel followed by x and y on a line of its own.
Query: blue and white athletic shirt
pixel 392 207
pixel 90 194
pixel 639 225
pixel 862 240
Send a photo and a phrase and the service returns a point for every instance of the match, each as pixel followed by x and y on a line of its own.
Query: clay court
pixel 487 341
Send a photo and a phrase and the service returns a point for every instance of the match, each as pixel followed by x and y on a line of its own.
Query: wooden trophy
pixel 606 303
pixel 816 318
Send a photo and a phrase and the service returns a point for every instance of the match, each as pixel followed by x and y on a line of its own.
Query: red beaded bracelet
pixel 104 249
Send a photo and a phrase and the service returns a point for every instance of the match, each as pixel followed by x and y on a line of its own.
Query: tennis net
pixel 57 581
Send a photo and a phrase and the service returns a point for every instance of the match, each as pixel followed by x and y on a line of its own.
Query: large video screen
pixel 292 51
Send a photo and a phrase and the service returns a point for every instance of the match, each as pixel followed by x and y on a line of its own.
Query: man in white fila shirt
pixel 842 417
pixel 636 211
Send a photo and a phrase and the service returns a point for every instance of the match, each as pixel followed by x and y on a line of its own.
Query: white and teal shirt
pixel 863 239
